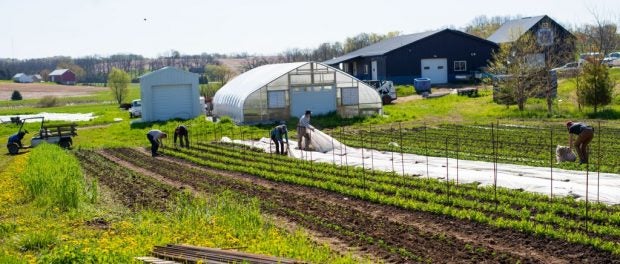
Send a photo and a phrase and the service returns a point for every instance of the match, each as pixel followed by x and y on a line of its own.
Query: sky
pixel 44 28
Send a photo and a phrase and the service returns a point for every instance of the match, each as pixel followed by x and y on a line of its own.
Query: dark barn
pixel 558 44
pixel 444 56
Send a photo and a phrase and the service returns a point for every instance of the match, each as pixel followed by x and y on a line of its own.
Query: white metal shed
pixel 281 91
pixel 169 93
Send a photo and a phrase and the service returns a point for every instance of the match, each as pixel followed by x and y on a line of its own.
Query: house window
pixel 354 68
pixel 460 65
pixel 345 67
pixel 366 68
pixel 350 96
pixel 276 99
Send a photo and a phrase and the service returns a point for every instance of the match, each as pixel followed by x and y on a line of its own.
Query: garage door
pixel 172 101
pixel 318 99
pixel 435 69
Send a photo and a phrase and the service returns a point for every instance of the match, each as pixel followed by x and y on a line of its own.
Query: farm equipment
pixel 61 134
pixel 386 90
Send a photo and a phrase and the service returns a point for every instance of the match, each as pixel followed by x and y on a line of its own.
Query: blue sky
pixel 41 28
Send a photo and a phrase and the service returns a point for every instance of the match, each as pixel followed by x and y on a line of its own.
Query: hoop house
pixel 280 91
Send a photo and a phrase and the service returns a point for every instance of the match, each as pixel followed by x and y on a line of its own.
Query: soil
pixel 391 234
pixel 39 90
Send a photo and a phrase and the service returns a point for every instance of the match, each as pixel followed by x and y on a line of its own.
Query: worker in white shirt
pixel 303 130
pixel 154 136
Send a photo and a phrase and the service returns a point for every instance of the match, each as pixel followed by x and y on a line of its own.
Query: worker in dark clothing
pixel 15 142
pixel 277 135
pixel 584 134
pixel 182 133
pixel 154 136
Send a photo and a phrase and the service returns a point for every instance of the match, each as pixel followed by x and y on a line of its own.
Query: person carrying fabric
pixel 584 134
pixel 279 133
pixel 183 134
pixel 154 136
pixel 303 128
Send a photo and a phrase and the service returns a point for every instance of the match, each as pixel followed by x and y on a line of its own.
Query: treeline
pixel 95 69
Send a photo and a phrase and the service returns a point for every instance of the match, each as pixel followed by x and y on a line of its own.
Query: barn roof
pixel 383 46
pixel 513 29
pixel 58 72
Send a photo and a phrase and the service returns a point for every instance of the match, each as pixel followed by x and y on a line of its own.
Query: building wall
pixel 168 77
pixel 404 64
pixel 563 49
pixel 68 77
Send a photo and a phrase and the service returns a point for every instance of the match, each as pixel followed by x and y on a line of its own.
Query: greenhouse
pixel 280 91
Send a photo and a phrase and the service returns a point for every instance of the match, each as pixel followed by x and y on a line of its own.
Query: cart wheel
pixel 65 143
pixel 13 148
pixel 386 99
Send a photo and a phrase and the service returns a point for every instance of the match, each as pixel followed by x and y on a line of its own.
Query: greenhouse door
pixel 318 99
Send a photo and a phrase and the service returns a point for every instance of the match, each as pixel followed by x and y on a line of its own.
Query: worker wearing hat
pixel 278 134
pixel 303 130
pixel 584 134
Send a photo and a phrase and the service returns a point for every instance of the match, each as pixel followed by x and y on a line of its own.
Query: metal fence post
pixel 447 173
pixel 598 166
pixel 426 150
pixel 551 154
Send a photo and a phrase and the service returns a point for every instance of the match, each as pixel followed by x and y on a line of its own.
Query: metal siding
pixel 168 77
pixel 403 65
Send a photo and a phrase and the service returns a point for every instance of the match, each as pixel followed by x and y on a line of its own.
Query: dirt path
pixel 39 90
pixel 425 236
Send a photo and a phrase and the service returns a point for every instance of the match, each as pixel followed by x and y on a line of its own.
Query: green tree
pixel 597 87
pixel 218 73
pixel 522 64
pixel 118 81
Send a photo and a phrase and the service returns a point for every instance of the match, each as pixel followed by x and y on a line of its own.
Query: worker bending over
pixel 16 139
pixel 303 130
pixel 154 136
pixel 584 134
pixel 277 135
pixel 183 134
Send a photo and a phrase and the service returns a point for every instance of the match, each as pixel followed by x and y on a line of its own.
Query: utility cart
pixel 61 134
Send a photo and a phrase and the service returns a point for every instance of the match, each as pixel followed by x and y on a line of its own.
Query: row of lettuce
pixel 562 218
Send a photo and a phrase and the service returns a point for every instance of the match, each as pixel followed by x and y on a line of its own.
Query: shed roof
pixel 18 75
pixel 167 69
pixel 58 72
pixel 513 29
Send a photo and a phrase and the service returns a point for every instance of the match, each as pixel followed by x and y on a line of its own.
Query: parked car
pixel 612 59
pixel 136 108
pixel 570 69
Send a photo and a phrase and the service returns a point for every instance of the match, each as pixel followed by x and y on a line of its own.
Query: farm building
pixel 444 56
pixel 37 78
pixel 558 43
pixel 169 93
pixel 22 78
pixel 280 91
pixel 62 76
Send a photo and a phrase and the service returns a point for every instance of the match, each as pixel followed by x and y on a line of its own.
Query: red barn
pixel 63 76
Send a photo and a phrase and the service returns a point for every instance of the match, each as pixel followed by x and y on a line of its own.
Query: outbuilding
pixel 278 92
pixel 557 45
pixel 63 76
pixel 444 56
pixel 22 78
pixel 169 93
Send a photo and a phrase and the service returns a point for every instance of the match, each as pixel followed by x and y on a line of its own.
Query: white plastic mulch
pixel 532 179
pixel 52 117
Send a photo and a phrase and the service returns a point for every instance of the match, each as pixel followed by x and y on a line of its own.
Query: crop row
pixel 132 189
pixel 504 144
pixel 505 212
pixel 357 226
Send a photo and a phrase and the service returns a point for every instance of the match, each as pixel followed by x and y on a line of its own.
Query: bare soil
pixel 39 90
pixel 391 234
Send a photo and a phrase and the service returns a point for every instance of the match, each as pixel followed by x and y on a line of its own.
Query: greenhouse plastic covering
pixel 250 97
